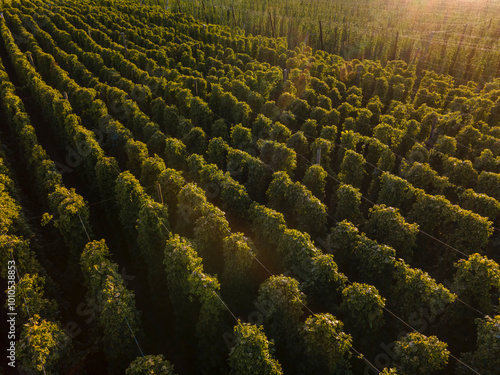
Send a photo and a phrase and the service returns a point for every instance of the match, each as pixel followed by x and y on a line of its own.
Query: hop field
pixel 182 195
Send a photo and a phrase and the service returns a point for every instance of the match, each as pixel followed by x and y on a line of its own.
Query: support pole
pixel 272 25
pixel 124 43
pixel 321 36
pixel 204 11
pixel 234 18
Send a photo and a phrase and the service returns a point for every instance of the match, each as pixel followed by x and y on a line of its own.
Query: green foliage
pixel 389 371
pixel 117 313
pixel 326 148
pixel 395 191
pixel 32 290
pixel 415 288
pixel 11 212
pixel 315 180
pixel 191 203
pixel 489 183
pixel 352 169
pixel 195 141
pixel 130 197
pixel 262 127
pixel 289 197
pixel 362 307
pixel 26 262
pixel 241 137
pixel 150 365
pixel 200 114
pixel 476 280
pixel 72 217
pixel 326 343
pixel 487 162
pixel 238 258
pixel 217 152
pixel 152 232
pixel 137 153
pixel 310 128
pixel 252 353
pixel 282 304
pixel 485 359
pixel 386 225
pixel 348 204
pixel 296 247
pixel 280 133
pixel 175 154
pixel 150 170
pixel 468 138
pixel 470 232
pixel 387 134
pixel 481 204
pixel 277 156
pixel 209 230
pixel 219 129
pixel 186 279
pixel 374 262
pixel 422 176
pixel 446 145
pixel 417 354
pixel 267 224
pixel 298 142
pixel 418 153
pixel 107 171
pixel 115 304
pixel 171 182
pixel 42 345
pixel 460 172
pixel 343 238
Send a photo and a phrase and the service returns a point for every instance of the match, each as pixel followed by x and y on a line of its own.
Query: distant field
pixel 460 38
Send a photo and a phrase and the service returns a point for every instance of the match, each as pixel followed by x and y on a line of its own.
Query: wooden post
pixel 318 155
pixel 285 75
pixel 124 42
pixel 394 51
pixel 321 36
pixel 234 18
pixel 160 195
pixel 204 11
pixel 272 25
pixel 30 58
pixel 358 75
pixel 455 57
pixel 422 61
